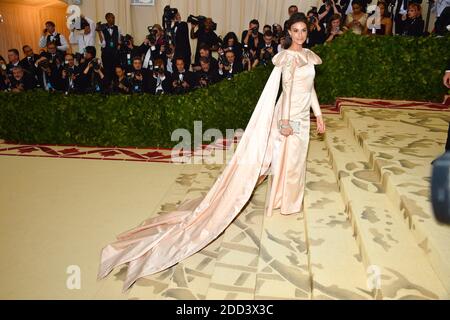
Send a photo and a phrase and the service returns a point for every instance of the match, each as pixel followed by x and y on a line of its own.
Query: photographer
pixel 127 52
pixel 230 67
pixel 48 68
pixel 328 9
pixel 139 77
pixel 30 59
pixel 21 80
pixel 205 52
pixel 316 34
pixel 334 28
pixel 13 60
pixel 181 38
pixel 231 42
pixel 69 74
pixel 206 76
pixel 251 38
pixel 92 78
pixel 412 23
pixel 85 36
pixel 49 34
pixel 268 48
pixel 167 54
pixel 4 78
pixel 150 49
pixel 204 33
pixel 277 31
pixel 182 79
pixel 120 84
pixel 110 37
pixel 160 81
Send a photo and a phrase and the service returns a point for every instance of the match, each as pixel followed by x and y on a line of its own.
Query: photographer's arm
pixel 194 33
pixel 101 38
pixel 43 40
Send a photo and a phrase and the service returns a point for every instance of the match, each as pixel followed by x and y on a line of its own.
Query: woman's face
pixel 119 72
pixel 230 42
pixel 356 8
pixel 298 33
pixel 412 12
pixel 335 24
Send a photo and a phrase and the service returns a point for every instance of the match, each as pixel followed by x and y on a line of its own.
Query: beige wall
pixel 230 15
pixel 23 24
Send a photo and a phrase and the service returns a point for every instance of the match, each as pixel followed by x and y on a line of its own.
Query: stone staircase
pixel 366 231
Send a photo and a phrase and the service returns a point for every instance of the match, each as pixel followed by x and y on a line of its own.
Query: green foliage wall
pixel 353 66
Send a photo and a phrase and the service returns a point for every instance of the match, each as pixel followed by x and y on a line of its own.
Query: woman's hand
pixel 286 130
pixel 320 125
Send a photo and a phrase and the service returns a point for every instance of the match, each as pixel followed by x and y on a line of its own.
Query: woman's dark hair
pixel 332 18
pixel 386 12
pixel 358 2
pixel 295 18
pixel 228 36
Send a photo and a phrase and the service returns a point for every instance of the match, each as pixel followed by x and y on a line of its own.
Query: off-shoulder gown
pixel 162 241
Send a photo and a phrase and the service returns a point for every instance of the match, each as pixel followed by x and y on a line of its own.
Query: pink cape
pixel 161 242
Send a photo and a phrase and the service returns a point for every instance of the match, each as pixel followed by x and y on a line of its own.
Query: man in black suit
pixel 181 40
pixel 21 80
pixel 30 59
pixel 50 35
pixel 69 74
pixel 160 80
pixel 249 36
pixel 110 39
pixel 13 60
pixel 231 66
pixel 206 75
pixel 182 79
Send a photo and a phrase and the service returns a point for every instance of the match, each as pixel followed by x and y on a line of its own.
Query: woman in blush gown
pixel 275 143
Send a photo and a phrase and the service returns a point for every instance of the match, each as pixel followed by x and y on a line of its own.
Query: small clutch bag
pixel 295 125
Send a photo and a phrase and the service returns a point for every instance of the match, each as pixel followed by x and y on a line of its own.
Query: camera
pixel 100 26
pixel 44 64
pixel 78 57
pixel 255 31
pixel 200 21
pixel 83 23
pixel 95 64
pixel 127 40
pixel 223 60
pixel 158 70
pixel 68 70
pixel 151 34
pixel 169 13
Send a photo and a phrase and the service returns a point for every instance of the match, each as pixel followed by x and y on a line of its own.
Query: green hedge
pixel 354 66
pixel 121 120
pixel 396 67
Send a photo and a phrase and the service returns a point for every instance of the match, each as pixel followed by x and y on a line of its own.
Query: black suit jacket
pixel 166 83
pixel 28 64
pixel 182 44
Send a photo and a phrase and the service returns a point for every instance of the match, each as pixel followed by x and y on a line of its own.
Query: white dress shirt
pixel 110 30
pixel 83 40
pixel 63 47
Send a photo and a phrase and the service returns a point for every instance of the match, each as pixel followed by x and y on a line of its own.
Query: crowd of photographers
pixel 162 64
